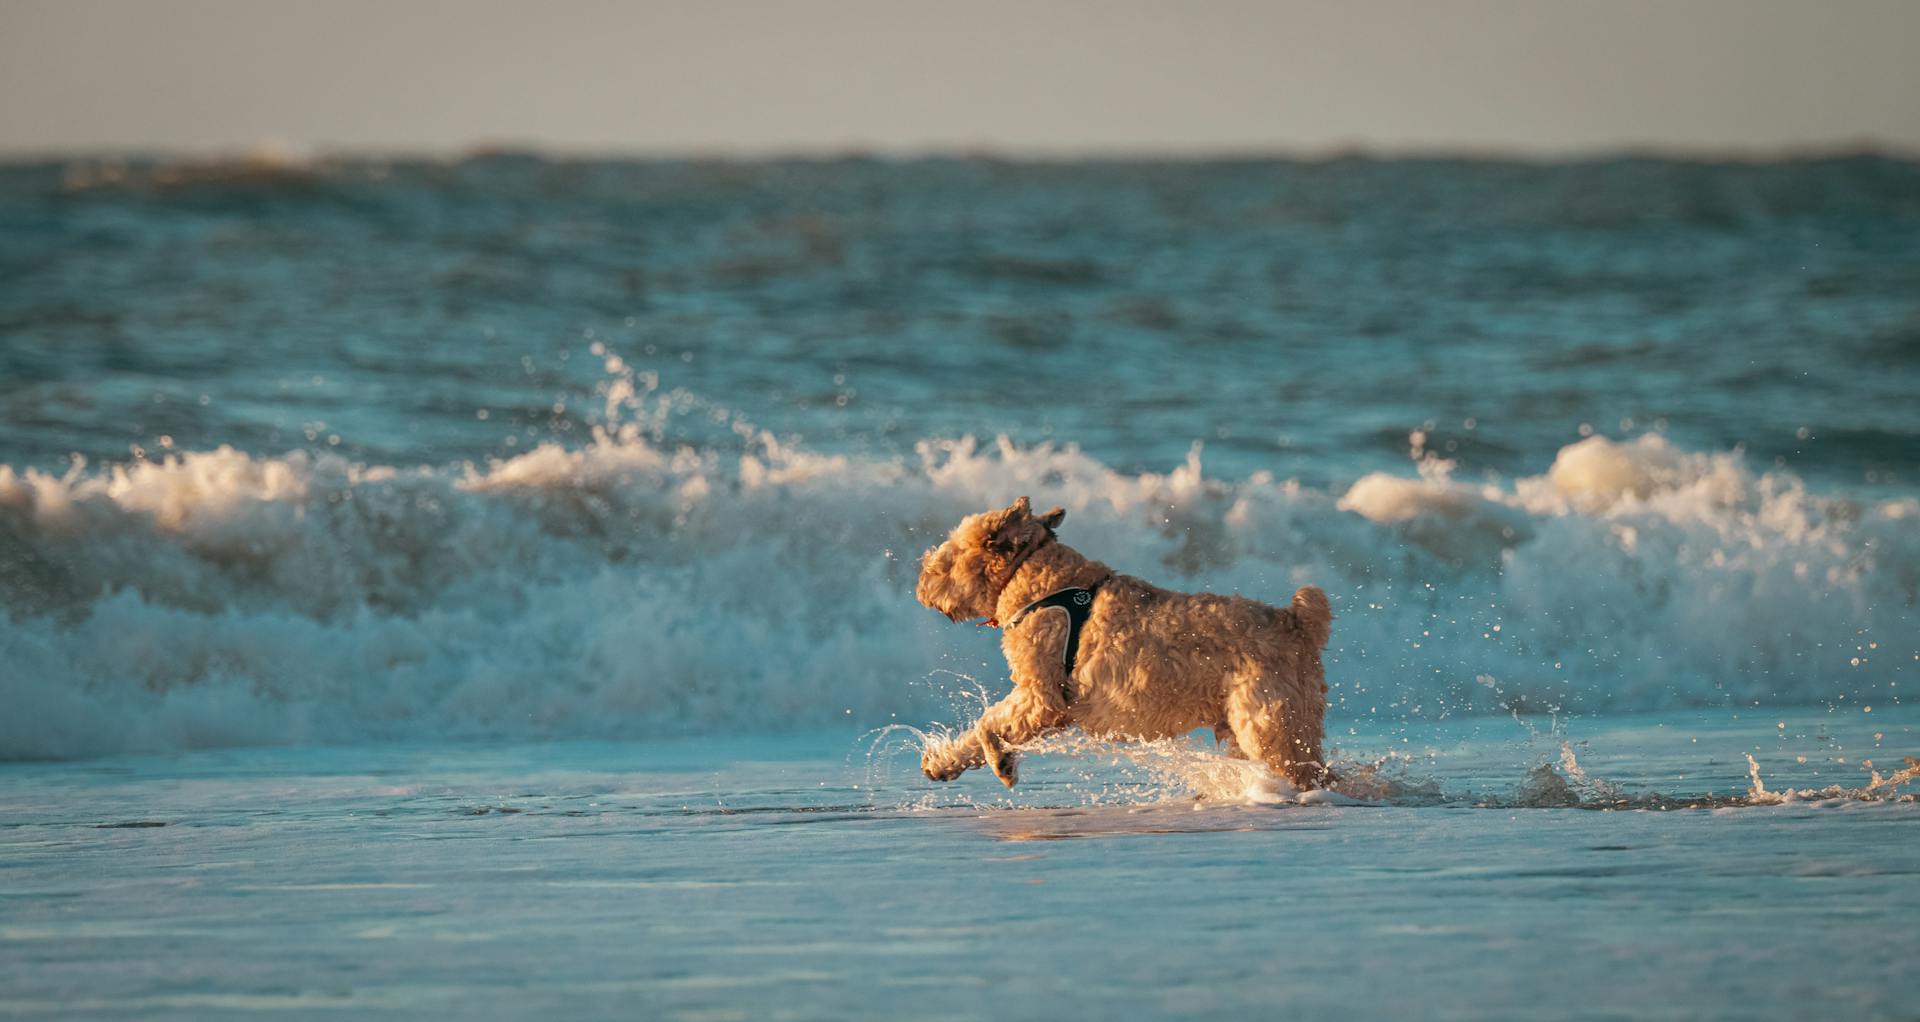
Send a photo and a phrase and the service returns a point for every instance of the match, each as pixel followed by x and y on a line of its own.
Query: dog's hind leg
pixel 1285 738
pixel 1223 736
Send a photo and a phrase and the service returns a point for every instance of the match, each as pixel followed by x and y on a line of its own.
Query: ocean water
pixel 486 584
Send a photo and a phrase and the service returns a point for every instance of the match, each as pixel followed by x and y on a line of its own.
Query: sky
pixel 1066 77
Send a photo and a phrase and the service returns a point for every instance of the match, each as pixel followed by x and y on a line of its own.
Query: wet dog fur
pixel 1153 663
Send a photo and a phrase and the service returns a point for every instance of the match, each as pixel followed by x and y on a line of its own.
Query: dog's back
pixel 1157 663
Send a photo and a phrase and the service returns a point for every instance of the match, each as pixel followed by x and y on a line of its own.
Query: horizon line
pixel 274 151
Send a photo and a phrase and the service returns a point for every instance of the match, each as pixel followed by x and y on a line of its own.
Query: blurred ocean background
pixel 484 586
pixel 343 450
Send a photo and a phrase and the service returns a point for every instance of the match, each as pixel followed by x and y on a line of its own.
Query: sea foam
pixel 620 587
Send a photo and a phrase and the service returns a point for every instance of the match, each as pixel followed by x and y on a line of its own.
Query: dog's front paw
pixel 939 764
pixel 1005 765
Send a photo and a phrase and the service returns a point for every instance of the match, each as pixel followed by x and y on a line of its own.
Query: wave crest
pixel 620 588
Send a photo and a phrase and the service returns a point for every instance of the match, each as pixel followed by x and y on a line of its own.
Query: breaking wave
pixel 621 587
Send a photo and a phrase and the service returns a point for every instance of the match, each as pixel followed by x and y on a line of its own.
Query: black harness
pixel 1078 603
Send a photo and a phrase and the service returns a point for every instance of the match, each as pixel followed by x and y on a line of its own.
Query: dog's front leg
pixel 948 758
pixel 1016 720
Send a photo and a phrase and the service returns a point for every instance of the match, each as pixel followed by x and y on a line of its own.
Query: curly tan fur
pixel 1153 663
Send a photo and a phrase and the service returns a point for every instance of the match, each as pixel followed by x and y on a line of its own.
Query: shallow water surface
pixel 801 878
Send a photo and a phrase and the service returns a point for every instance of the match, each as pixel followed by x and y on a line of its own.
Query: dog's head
pixel 962 577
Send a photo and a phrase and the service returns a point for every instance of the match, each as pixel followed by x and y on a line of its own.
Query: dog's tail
pixel 1312 615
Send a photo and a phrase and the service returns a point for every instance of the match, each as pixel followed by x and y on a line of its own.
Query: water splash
pixel 1877 788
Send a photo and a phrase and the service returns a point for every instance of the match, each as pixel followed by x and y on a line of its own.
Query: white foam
pixel 622 588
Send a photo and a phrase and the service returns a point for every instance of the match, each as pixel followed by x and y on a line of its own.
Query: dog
pixel 1120 658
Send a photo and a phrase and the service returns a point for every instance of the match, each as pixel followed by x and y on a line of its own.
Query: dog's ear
pixel 1004 530
pixel 1053 518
